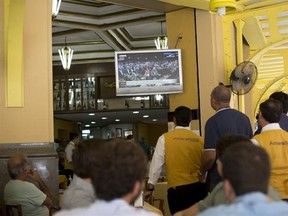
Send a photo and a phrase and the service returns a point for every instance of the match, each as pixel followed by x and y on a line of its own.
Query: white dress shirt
pixel 117 207
pixel 268 127
pixel 158 159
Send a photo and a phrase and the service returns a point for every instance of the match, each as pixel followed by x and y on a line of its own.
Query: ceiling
pixel 95 29
pixel 148 116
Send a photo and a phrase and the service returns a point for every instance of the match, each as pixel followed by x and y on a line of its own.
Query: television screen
pixel 148 72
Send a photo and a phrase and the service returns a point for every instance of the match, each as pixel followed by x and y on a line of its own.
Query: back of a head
pixel 73 136
pixel 84 155
pixel 119 164
pixel 227 141
pixel 271 110
pixel 16 165
pixel 247 168
pixel 182 116
pixel 221 94
pixel 283 97
pixel 130 137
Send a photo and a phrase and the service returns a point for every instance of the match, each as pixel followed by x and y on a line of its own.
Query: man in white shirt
pixel 18 191
pixel 74 140
pixel 117 173
pixel 80 192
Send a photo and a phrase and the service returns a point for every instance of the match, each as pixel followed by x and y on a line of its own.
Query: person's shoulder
pixel 76 212
pixel 221 210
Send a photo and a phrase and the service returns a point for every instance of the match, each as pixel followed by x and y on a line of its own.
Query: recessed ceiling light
pixel 87 125
pixel 91 114
pixel 135 112
pixel 154 120
pixel 145 116
pixel 104 118
pixel 117 120
pixel 93 122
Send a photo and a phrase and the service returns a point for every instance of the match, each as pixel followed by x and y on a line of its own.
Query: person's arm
pixel 208 160
pixel 42 186
pixel 156 165
pixel 47 202
pixel 191 211
pixel 209 154
pixel 68 152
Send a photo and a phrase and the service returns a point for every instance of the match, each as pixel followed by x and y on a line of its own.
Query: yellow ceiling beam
pixel 199 4
pixel 252 32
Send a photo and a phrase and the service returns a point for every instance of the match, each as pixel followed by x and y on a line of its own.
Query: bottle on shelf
pixel 104 105
pixel 126 104
pixel 92 105
pixel 92 95
pixel 78 96
pixel 142 104
pixel 86 84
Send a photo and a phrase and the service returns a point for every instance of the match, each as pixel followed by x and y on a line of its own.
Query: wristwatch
pixel 150 187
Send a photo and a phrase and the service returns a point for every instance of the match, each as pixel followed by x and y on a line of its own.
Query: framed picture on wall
pixel 128 132
pixel 118 132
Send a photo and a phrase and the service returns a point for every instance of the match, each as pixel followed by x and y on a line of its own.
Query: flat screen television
pixel 148 72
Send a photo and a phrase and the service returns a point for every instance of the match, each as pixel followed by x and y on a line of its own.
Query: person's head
pixel 74 137
pixel 84 155
pixel 283 97
pixel 118 170
pixel 246 169
pixel 182 116
pixel 225 142
pixel 130 137
pixel 270 112
pixel 18 167
pixel 220 97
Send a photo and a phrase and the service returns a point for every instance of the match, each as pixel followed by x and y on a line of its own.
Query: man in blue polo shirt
pixel 225 121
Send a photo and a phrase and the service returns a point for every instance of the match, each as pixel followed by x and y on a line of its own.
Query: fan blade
pixel 233 76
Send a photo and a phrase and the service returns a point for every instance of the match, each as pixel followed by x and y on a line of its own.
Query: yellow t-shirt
pixel 183 156
pixel 275 142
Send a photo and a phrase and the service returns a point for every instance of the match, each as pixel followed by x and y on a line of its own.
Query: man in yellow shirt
pixel 275 141
pixel 181 151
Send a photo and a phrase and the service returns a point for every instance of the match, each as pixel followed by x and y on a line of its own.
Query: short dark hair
pixel 227 141
pixel 73 136
pixel 247 168
pixel 182 116
pixel 130 137
pixel 118 165
pixel 283 97
pixel 16 165
pixel 271 110
pixel 83 156
pixel 221 94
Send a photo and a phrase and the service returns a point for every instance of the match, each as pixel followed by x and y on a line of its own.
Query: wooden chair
pixel 11 209
pixel 153 201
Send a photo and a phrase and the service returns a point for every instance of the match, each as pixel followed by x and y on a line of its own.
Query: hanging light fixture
pixel 66 54
pixel 162 41
pixel 221 7
pixel 55 7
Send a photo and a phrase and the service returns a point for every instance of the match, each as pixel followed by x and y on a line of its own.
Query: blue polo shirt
pixel 256 204
pixel 225 121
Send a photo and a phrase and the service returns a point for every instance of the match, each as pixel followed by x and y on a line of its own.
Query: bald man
pixel 225 121
pixel 18 191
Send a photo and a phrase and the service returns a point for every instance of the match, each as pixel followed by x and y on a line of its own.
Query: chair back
pixel 13 210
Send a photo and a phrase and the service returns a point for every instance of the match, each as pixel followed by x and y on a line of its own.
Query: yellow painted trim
pixel 14 76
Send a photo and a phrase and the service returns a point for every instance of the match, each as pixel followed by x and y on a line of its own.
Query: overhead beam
pixel 149 5
pixel 101 17
pixel 110 40
pixel 104 27
pixel 199 4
